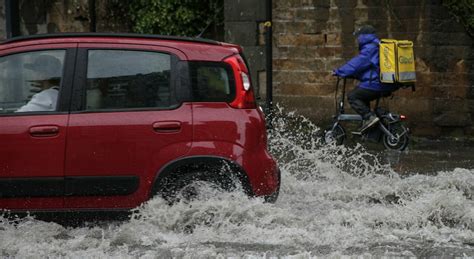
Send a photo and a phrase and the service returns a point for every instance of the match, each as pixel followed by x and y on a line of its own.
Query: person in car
pixel 365 67
pixel 47 76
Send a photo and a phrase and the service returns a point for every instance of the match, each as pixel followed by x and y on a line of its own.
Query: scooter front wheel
pixel 400 138
pixel 335 134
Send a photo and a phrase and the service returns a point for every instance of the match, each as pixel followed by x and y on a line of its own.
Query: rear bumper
pixel 272 198
pixel 263 174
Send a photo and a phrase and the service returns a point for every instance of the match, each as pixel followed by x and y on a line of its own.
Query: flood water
pixel 431 156
pixel 335 202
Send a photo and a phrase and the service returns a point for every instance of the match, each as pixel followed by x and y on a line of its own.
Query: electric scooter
pixel 389 129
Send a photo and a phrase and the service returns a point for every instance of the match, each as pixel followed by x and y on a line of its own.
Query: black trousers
pixel 360 98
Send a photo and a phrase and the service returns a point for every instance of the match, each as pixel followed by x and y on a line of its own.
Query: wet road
pixel 427 156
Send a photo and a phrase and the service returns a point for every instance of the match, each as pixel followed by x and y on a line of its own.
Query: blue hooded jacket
pixel 365 66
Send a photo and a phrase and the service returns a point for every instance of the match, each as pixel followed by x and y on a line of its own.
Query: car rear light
pixel 403 117
pixel 244 96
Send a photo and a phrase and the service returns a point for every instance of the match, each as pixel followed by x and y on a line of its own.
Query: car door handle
pixel 44 131
pixel 167 126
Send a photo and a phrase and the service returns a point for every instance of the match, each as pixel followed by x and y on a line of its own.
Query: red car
pixel 108 121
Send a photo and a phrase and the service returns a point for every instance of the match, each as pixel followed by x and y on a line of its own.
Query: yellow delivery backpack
pixel 397 62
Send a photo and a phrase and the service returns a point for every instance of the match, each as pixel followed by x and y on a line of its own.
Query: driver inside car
pixel 47 77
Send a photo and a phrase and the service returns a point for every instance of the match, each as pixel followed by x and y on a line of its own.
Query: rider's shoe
pixel 366 124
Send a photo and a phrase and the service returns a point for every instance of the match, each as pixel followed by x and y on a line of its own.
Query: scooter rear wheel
pixel 336 135
pixel 401 139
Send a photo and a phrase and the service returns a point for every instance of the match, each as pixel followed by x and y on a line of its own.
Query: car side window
pixel 128 79
pixel 212 82
pixel 31 81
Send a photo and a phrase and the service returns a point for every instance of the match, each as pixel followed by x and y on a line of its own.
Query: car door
pixel 128 123
pixel 35 85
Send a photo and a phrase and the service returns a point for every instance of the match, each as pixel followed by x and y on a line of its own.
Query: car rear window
pixel 212 82
pixel 127 79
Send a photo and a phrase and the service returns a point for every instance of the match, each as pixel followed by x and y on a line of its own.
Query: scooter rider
pixel 365 68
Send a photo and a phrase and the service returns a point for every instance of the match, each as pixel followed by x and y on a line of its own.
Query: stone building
pixel 310 39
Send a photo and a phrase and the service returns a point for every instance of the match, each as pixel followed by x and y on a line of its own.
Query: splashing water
pixel 334 201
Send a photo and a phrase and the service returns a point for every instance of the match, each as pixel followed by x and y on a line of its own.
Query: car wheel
pixel 200 185
pixel 336 135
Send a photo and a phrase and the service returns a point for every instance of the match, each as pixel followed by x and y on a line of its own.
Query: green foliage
pixel 175 17
pixel 463 10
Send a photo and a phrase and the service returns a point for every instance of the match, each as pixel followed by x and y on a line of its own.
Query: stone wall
pixel 312 37
pixel 2 20
pixel 47 16
pixel 50 16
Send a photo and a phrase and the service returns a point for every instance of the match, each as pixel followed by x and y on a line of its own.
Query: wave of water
pixel 334 202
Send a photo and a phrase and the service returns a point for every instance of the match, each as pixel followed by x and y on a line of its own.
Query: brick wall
pixel 312 37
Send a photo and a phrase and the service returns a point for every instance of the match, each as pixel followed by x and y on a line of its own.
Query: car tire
pixel 191 186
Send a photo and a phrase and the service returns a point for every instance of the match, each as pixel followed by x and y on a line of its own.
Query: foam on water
pixel 334 201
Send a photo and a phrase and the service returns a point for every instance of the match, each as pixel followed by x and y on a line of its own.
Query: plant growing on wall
pixel 175 17
pixel 463 11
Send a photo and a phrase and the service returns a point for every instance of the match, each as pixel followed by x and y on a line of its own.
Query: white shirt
pixel 43 101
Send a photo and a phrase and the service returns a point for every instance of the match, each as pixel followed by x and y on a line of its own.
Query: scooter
pixel 390 129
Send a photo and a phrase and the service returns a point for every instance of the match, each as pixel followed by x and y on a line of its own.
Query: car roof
pixel 115 35
pixel 192 47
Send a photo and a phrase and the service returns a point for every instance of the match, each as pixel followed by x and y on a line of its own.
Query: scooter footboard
pixel 349 117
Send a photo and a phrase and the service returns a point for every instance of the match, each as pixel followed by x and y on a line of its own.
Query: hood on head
pixel 364 39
